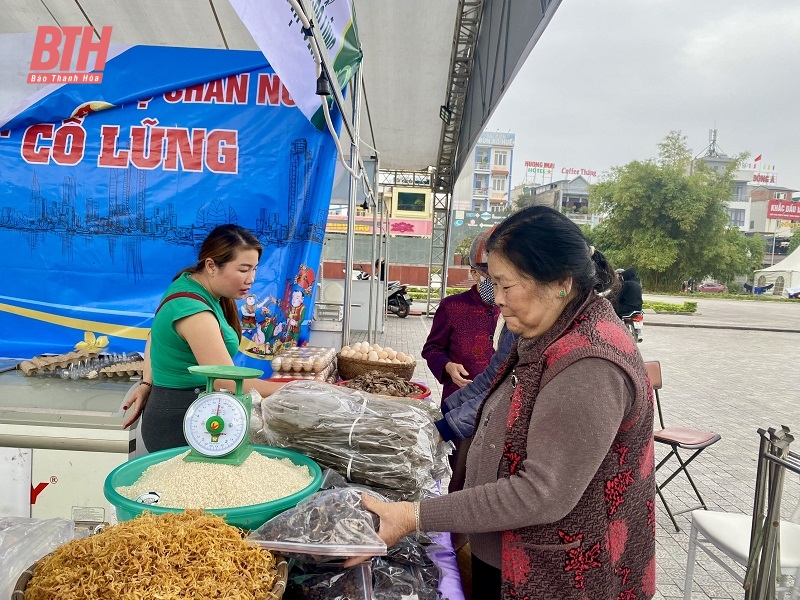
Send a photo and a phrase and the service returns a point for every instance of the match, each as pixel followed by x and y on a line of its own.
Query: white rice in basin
pixel 214 485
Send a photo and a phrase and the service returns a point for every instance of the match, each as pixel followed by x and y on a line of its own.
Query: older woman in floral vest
pixel 559 499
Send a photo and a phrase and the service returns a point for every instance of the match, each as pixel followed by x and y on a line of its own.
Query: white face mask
pixel 486 290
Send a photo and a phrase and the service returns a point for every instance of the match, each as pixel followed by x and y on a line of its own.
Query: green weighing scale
pixel 217 424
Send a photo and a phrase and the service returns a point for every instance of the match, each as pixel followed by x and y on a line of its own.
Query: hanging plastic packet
pixel 328 526
pixel 348 584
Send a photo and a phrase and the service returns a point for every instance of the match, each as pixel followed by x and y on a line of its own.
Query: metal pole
pixel 355 87
pixel 373 319
pixel 375 270
pixel 772 258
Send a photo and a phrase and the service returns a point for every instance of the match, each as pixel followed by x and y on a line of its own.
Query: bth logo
pixel 55 48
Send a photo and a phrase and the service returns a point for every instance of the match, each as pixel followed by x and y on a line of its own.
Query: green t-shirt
pixel 170 354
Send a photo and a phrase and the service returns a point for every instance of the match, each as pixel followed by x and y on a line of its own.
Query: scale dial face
pixel 215 424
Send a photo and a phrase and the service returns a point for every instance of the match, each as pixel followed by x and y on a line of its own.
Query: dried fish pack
pixel 371 440
pixel 330 525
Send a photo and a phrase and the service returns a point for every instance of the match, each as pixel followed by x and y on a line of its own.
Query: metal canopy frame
pixel 465 38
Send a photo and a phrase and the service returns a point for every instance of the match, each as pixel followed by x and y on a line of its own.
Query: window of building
pixel 481 184
pixel 411 201
pixel 482 158
pixel 477 205
pixel 500 159
pixel 735 217
pixel 499 183
pixel 780 196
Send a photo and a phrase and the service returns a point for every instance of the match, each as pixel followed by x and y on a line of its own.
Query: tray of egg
pixel 307 362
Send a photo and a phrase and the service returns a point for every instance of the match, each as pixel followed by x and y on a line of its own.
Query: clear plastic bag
pixel 371 440
pixel 348 584
pixel 406 573
pixel 24 541
pixel 330 525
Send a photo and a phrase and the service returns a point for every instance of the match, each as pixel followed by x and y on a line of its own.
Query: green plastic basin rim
pixel 226 372
pixel 245 517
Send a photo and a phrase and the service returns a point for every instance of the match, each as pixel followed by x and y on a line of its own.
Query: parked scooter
pixel 634 323
pixel 398 300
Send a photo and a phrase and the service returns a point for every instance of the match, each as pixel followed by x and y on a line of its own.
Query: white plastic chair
pixel 729 534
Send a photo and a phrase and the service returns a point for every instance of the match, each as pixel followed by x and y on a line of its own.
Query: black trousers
pixel 162 418
pixel 485 580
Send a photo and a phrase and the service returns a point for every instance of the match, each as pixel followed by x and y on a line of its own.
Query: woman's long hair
pixel 544 244
pixel 222 245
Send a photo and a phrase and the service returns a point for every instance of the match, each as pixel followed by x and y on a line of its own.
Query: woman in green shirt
pixel 197 323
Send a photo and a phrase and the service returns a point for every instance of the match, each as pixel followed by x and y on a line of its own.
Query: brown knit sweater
pixel 569 480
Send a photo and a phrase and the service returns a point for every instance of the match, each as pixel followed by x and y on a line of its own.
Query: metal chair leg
pixel 688 583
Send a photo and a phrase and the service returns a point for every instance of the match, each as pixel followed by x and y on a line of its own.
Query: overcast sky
pixel 610 78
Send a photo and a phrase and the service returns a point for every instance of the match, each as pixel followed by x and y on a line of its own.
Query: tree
pixel 794 242
pixel 524 201
pixel 667 217
pixel 464 245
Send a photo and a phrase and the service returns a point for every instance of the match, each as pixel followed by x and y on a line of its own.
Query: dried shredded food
pixel 379 382
pixel 169 557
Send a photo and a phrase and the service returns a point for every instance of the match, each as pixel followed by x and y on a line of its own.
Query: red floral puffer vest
pixel 605 548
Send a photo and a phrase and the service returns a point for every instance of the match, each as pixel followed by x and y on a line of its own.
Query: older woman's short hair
pixel 477 253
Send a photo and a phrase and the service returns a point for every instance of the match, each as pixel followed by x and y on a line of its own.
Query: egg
pixel 387 350
pixel 401 356
pixel 372 356
pixel 395 361
pixel 307 364
pixel 297 365
pixel 409 359
pixel 277 363
pixel 383 354
pixel 391 354
pixel 376 347
pixel 288 363
pixel 318 365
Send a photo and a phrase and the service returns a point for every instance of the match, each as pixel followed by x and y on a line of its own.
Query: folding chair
pixel 677 438
pixel 763 543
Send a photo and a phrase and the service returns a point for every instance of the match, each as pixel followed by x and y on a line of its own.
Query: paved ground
pixel 732 381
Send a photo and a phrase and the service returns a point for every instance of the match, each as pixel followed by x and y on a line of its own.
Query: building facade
pixel 570 196
pixel 485 183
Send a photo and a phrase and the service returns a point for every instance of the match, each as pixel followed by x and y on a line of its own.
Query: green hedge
pixel 686 307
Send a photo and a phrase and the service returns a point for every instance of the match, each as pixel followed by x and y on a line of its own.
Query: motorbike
pixel 634 323
pixel 398 300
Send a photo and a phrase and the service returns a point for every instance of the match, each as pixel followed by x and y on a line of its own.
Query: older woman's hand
pixel 397 521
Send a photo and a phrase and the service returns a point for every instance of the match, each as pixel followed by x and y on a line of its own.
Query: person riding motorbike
pixel 630 295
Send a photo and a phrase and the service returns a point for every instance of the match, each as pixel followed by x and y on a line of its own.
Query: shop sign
pixel 783 209
pixel 496 138
pixel 538 167
pixel 581 172
pixel 765 178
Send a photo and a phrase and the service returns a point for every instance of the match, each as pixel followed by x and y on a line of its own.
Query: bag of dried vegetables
pixel 329 525
pixel 371 440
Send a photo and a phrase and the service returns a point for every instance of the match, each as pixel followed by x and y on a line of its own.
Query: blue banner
pixel 107 190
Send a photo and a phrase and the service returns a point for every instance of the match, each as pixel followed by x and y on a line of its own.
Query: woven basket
pixel 277 590
pixel 353 367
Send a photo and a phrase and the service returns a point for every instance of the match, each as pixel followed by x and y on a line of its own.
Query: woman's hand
pixel 137 400
pixel 397 521
pixel 458 374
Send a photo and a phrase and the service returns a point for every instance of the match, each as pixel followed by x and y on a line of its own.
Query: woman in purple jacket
pixel 459 346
